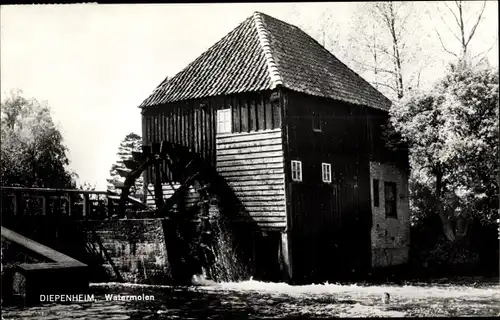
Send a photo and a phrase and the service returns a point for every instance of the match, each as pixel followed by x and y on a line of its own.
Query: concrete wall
pixel 390 236
pixel 136 247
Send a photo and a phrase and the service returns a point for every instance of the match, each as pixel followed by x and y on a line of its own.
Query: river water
pixel 254 299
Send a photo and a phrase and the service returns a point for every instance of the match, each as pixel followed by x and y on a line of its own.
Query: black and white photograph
pixel 284 160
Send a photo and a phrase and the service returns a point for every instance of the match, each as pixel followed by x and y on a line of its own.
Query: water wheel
pixel 186 169
pixel 188 229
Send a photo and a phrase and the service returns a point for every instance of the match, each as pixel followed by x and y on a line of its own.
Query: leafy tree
pixel 32 149
pixel 118 173
pixel 87 186
pixel 452 132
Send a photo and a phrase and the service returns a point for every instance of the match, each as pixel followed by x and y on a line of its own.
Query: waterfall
pixel 226 264
pixel 222 262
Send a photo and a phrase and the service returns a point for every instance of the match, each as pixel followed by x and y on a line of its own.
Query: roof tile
pixel 261 53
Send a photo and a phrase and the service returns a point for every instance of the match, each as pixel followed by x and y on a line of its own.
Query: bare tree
pixel 322 27
pixel 457 11
pixel 381 37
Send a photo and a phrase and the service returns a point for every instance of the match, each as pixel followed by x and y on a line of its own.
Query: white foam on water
pixel 112 285
pixel 264 299
pixel 281 288
pixel 359 310
pixel 201 280
pixel 354 290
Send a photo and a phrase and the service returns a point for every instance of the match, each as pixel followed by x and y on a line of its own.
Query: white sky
pixel 94 64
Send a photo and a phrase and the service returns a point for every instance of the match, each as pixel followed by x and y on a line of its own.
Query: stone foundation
pixel 136 247
pixel 383 257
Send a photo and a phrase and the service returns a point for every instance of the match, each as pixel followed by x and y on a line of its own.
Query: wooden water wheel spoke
pixel 189 163
pixel 184 167
pixel 138 157
pixel 129 182
pixel 165 175
pixel 150 193
pixel 175 197
pixel 158 186
pixel 131 164
pixel 169 162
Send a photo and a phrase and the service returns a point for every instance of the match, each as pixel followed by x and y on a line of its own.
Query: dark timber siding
pixel 185 123
pixel 251 157
pixel 331 222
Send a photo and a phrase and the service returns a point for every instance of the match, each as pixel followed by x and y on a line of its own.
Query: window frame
pixel 225 122
pixel 296 170
pixel 326 172
pixel 316 119
pixel 393 202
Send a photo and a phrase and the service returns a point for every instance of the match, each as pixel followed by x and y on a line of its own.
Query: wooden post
pixel 56 205
pixel 86 206
pixel 46 205
pixel 144 188
pixel 66 205
pixel 158 186
pixel 110 207
pixel 285 254
pixel 19 203
pixel 70 203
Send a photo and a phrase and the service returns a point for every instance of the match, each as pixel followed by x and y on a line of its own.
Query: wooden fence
pixel 77 204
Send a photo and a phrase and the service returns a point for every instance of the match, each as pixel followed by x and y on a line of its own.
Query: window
pixel 296 170
pixel 376 193
pixel 224 121
pixel 326 170
pixel 390 200
pixel 316 122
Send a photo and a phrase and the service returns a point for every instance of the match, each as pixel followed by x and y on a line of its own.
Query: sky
pixel 94 64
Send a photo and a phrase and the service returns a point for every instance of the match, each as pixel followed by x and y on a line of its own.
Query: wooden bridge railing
pixel 77 204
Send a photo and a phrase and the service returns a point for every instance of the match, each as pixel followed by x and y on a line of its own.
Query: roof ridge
pixel 263 35
pixel 263 53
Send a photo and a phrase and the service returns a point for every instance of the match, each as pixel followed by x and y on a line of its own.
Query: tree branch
pixel 386 85
pixel 384 15
pixel 451 31
pixel 456 18
pixel 473 31
pixel 442 44
pixel 373 67
pixel 384 50
pixel 485 52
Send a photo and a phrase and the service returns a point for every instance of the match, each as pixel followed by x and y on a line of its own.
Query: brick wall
pixel 390 236
pixel 137 248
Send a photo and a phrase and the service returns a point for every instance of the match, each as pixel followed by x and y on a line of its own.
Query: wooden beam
pixel 39 248
pixel 158 188
pixel 50 190
pixel 171 201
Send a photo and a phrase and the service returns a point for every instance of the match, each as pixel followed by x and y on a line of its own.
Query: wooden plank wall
pixel 252 164
pixel 193 123
pixel 256 137
pixel 330 221
pixel 188 123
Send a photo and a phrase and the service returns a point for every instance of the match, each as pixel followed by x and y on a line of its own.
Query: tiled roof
pixel 260 54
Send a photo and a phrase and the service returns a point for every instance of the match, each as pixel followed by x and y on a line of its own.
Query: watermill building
pixel 297 135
